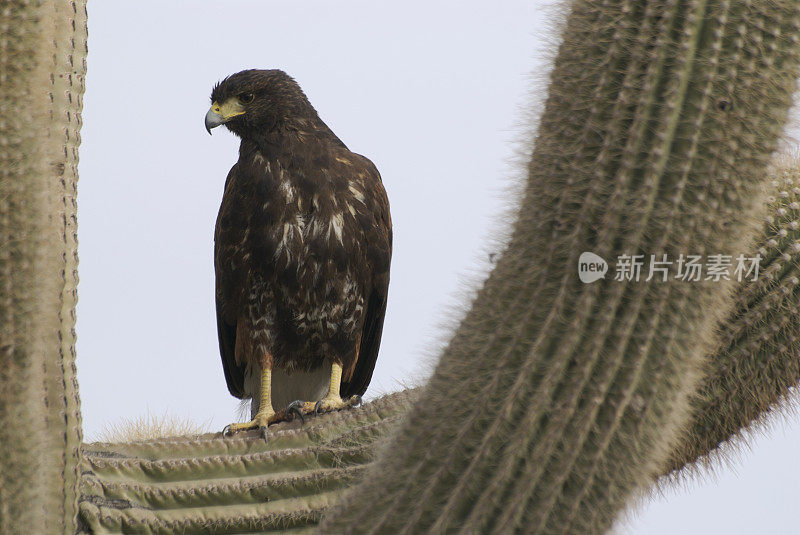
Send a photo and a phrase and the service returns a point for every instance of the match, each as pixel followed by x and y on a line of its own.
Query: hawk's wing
pixel 378 239
pixel 370 342
pixel 234 372
pixel 228 235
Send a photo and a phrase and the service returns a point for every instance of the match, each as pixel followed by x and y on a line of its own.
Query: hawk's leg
pixel 266 414
pixel 332 400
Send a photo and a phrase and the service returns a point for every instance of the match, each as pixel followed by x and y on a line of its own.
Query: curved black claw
pixel 263 430
pixel 296 408
pixel 226 431
pixel 316 407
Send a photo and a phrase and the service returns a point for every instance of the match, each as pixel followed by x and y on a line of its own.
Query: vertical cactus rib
pixel 562 399
pixel 757 361
pixel 42 61
pixel 67 88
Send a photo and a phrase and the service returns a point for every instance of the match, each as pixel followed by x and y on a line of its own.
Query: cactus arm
pixel 566 398
pixel 42 67
pixel 247 483
pixel 757 361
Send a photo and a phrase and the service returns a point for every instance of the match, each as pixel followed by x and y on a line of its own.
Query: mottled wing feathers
pixel 379 254
pixel 370 342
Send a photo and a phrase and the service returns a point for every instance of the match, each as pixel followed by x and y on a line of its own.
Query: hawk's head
pixel 257 101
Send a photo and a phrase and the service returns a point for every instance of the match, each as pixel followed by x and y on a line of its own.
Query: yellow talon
pixel 266 415
pixel 262 419
pixel 332 400
pixel 331 403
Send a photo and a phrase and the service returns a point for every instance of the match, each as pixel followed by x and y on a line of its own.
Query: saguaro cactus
pixel 42 65
pixel 213 484
pixel 757 358
pixel 556 400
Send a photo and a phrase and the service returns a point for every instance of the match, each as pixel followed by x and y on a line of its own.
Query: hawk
pixel 302 248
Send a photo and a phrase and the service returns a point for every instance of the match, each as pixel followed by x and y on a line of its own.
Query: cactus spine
pixel 757 359
pixel 42 66
pixel 556 400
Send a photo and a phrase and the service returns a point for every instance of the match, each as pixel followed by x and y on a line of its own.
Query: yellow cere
pixel 230 108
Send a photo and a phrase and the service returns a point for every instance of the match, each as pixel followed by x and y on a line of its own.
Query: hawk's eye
pixel 246 98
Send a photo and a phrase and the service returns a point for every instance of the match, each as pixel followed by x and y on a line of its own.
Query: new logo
pixel 591 267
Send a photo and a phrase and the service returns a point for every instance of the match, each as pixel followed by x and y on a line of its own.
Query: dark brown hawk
pixel 302 249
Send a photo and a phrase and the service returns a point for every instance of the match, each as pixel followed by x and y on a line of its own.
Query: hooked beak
pixel 213 119
pixel 222 113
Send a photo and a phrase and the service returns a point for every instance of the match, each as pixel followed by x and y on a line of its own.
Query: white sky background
pixel 432 92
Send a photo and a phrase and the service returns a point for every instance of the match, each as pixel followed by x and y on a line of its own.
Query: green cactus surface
pixel 42 67
pixel 556 401
pixel 757 360
pixel 240 484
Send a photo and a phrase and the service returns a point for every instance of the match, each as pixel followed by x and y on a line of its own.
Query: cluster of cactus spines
pixel 42 64
pixel 556 400
pixel 757 362
pixel 241 484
